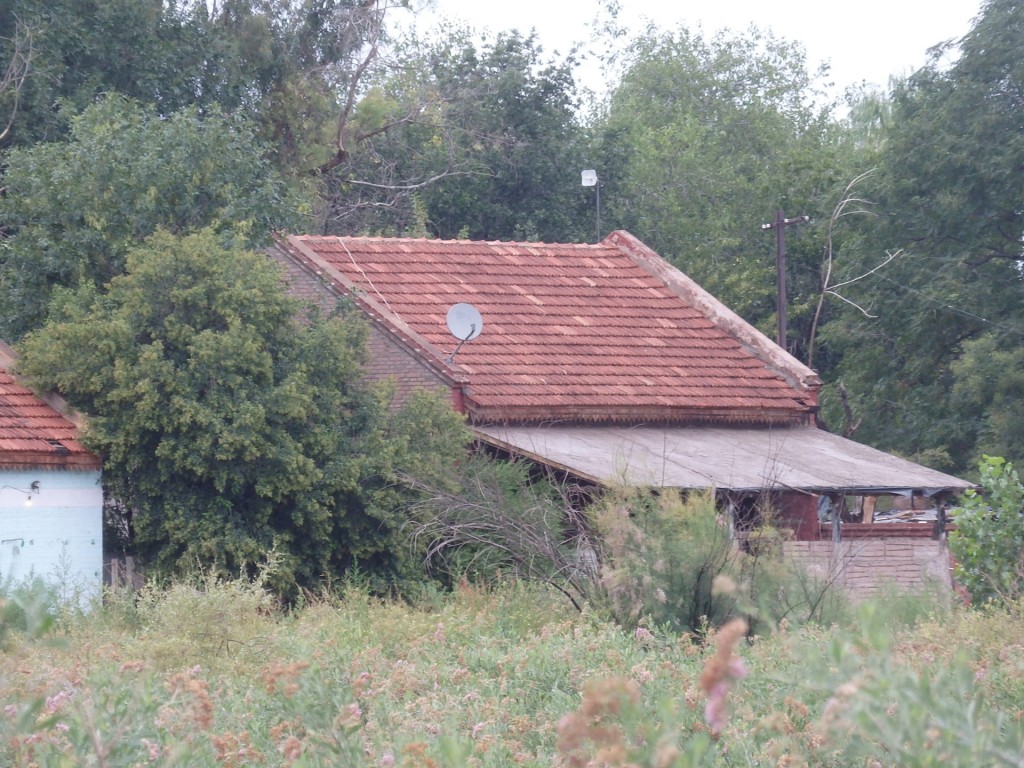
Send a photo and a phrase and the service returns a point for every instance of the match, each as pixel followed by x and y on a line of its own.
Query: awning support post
pixel 837 517
pixel 940 521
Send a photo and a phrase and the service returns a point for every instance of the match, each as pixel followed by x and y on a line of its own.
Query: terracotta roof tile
pixel 32 433
pixel 580 326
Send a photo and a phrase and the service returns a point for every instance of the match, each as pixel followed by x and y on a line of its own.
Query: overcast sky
pixel 864 41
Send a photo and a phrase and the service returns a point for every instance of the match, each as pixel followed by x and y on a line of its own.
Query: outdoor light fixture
pixel 33 490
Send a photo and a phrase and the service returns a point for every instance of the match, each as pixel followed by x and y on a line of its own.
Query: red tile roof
pixel 601 331
pixel 33 433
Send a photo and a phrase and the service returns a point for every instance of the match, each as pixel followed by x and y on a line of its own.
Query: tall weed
pixel 204 618
pixel 498 676
pixel 670 561
pixel 27 609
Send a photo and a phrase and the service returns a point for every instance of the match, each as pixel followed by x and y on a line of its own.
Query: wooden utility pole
pixel 780 224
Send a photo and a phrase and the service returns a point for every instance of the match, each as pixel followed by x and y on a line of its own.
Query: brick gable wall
pixel 387 359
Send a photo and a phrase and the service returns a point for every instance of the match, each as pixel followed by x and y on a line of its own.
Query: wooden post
pixel 837 518
pixel 940 522
pixel 131 576
pixel 869 508
pixel 780 224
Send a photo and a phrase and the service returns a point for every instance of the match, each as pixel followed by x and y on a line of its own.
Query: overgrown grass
pixel 213 675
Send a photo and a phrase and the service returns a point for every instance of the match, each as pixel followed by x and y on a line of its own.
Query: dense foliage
pixel 936 369
pixel 519 109
pixel 73 208
pixel 282 63
pixel 988 542
pixel 228 429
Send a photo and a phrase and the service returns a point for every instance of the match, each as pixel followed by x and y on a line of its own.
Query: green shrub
pixel 988 543
pixel 28 609
pixel 222 622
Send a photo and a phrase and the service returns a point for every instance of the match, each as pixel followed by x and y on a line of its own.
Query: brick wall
pixel 864 566
pixel 387 359
pixel 303 285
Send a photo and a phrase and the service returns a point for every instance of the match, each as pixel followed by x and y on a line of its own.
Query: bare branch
pixel 357 75
pixel 409 118
pixel 362 31
pixel 534 538
pixel 410 187
pixel 848 206
pixel 852 304
pixel 17 71
pixel 890 256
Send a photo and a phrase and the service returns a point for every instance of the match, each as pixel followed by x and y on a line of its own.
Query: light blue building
pixel 51 500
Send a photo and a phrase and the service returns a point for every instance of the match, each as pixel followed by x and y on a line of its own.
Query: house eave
pixel 669 415
pixel 27 460
pixel 745 459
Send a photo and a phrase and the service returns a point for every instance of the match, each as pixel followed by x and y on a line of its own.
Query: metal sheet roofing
pixel 725 458
pixel 579 331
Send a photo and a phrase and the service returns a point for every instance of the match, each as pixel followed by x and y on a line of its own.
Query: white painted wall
pixel 59 536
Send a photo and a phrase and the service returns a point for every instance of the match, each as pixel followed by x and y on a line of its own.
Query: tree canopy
pixel 517 109
pixel 72 209
pixel 936 370
pixel 705 139
pixel 226 427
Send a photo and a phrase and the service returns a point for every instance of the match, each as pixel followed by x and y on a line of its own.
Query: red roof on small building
pixel 33 433
pixel 606 331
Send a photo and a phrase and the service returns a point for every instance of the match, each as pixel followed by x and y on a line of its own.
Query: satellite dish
pixel 465 322
pixel 588 178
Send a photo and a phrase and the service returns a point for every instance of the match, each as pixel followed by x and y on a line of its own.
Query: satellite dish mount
pixel 465 323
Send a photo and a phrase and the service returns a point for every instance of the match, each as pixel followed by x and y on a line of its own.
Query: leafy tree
pixel 469 139
pixel 295 68
pixel 17 54
pixel 518 111
pixel 73 209
pixel 710 138
pixel 227 428
pixel 142 49
pixel 948 190
pixel 988 542
pixel 355 121
pixel 989 381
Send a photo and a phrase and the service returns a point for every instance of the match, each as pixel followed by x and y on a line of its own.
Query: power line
pixel 937 302
pixel 950 307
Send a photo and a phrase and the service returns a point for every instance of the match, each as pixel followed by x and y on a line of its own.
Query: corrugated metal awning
pixel 724 458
